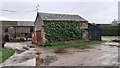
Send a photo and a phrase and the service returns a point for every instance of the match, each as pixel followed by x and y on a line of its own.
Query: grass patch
pixel 63 45
pixel 5 53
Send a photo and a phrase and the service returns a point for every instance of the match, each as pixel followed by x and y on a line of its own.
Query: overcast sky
pixel 94 11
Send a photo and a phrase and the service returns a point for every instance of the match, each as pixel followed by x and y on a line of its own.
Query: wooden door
pixel 38 37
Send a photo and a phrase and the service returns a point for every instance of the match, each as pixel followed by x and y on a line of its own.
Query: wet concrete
pixel 109 38
pixel 95 55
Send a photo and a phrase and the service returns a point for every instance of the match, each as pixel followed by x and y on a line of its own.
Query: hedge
pixel 62 30
pixel 110 30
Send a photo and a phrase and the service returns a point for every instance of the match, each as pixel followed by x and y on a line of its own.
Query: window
pixel 31 29
pixel 6 29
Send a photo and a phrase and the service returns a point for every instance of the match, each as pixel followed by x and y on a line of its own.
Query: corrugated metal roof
pixel 50 16
pixel 25 23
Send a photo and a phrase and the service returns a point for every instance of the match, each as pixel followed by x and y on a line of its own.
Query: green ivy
pixel 62 30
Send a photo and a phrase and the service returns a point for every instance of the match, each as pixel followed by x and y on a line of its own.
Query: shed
pixel 94 32
pixel 39 35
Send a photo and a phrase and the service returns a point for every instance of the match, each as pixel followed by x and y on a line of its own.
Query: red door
pixel 38 37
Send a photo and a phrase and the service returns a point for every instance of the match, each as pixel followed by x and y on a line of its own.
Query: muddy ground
pixel 95 55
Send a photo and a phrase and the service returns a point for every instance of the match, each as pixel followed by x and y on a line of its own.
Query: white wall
pixel 119 12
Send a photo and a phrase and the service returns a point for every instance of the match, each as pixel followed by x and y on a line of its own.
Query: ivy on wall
pixel 62 30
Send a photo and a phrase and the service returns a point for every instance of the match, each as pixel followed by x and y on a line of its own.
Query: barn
pixel 94 32
pixel 39 36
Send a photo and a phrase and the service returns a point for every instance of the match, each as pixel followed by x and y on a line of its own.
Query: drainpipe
pixel 15 31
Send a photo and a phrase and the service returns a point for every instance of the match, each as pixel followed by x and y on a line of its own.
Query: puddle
pixel 49 59
pixel 111 43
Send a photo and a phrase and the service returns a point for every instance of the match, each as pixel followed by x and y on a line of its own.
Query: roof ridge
pixel 58 13
pixel 54 16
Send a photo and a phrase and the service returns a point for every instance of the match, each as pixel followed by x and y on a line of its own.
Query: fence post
pixel 39 60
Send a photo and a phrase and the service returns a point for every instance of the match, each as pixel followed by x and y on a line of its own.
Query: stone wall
pixel 84 25
pixel 18 30
pixel 39 26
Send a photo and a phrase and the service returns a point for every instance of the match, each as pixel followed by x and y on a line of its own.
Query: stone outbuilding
pixel 39 34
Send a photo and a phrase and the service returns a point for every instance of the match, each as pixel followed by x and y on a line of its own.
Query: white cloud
pixel 99 12
pixel 7 19
pixel 2 18
pixel 59 0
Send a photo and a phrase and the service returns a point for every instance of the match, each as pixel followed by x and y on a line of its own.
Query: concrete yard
pixel 95 55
